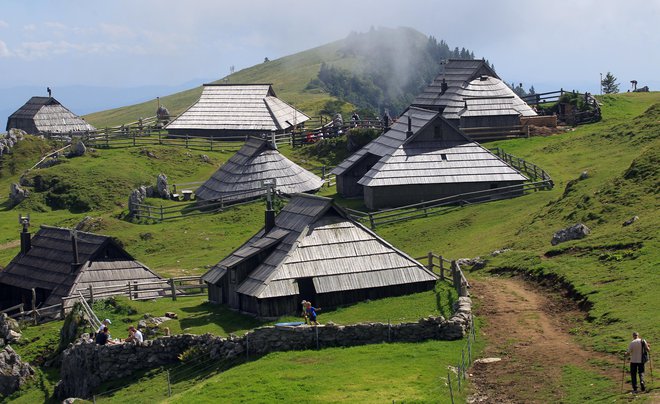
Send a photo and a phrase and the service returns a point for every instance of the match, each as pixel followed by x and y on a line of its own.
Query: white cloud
pixel 55 25
pixel 4 50
pixel 117 31
pixel 30 27
pixel 44 49
pixel 4 24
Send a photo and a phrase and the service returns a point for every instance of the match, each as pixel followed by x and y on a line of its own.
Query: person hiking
pixel 638 350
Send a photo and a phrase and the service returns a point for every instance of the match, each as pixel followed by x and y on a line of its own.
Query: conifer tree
pixel 609 84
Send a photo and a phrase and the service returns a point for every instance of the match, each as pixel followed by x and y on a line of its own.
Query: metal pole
pixel 169 384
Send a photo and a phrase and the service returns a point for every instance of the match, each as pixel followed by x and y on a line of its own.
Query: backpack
pixel 645 352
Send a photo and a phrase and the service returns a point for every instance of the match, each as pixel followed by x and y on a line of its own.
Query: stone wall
pixel 86 365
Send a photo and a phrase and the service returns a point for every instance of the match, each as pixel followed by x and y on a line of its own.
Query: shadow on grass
pixel 207 313
pixel 446 310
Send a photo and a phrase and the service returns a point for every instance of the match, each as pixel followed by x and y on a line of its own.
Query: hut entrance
pixel 306 289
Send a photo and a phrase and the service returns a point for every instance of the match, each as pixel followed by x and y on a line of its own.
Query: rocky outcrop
pixel 10 139
pixel 17 194
pixel 85 365
pixel 136 198
pixel 13 372
pixel 79 149
pixel 162 188
pixel 9 330
pixel 575 232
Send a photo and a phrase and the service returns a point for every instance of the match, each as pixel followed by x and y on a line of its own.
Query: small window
pixel 443 156
pixel 437 132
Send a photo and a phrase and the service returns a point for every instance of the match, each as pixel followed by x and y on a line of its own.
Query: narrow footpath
pixel 528 328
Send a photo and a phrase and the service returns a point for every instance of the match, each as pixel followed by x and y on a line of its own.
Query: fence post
pixel 442 268
pixel 186 140
pixel 429 264
pixel 247 346
pixel 316 328
pixel 161 213
pixel 451 391
pixel 94 399
pixel 212 142
pixel 34 306
pixel 159 140
pixel 389 330
pixel 323 172
pixel 169 384
pixel 135 289
pixel 458 374
pixel 128 286
pixel 91 294
pixel 134 133
pixel 171 282
pixel 371 221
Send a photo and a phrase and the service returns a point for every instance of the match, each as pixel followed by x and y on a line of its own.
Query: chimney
pixel 443 86
pixel 409 132
pixel 26 240
pixel 74 243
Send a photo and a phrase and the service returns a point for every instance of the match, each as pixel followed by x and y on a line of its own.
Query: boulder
pixel 78 149
pixel 161 186
pixel 16 134
pixel 575 232
pixel 17 194
pixel 9 329
pixel 137 197
pixel 13 372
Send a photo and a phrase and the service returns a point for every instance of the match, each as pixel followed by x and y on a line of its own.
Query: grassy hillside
pixel 614 270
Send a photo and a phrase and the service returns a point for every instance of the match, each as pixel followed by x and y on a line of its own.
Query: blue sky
pixel 162 42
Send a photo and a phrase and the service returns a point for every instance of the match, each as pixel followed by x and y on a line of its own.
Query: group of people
pixel 102 336
pixel 309 312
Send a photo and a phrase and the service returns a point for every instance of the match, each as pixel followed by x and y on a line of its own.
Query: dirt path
pixel 528 330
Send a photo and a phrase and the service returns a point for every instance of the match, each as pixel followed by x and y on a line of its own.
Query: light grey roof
pixel 456 73
pixel 323 244
pixel 425 160
pixel 486 95
pixel 251 107
pixel 242 175
pixel 391 139
pixel 47 115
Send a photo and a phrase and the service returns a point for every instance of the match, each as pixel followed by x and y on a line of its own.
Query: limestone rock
pixel 137 197
pixel 13 372
pixel 575 232
pixel 9 329
pixel 161 186
pixel 79 149
pixel 17 194
pixel 584 175
pixel 474 263
pixel 16 134
pixel 205 158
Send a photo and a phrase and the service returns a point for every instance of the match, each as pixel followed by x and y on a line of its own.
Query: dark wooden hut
pixel 313 252
pixel 431 159
pixel 45 115
pixel 242 176
pixel 236 110
pixel 57 263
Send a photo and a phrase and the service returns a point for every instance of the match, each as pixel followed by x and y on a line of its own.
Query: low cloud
pixel 4 50
pixel 117 31
pixel 44 49
pixel 4 24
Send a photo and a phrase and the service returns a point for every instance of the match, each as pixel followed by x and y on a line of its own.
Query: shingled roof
pixel 48 264
pixel 47 115
pixel 314 239
pixel 456 73
pixel 449 158
pixel 238 107
pixel 485 95
pixel 389 140
pixel 242 175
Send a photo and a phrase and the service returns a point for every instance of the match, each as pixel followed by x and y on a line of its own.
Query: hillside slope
pixel 394 63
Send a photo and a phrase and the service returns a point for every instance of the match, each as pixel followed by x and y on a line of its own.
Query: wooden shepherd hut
pixel 45 115
pixel 236 110
pixel 242 176
pixel 313 251
pixel 430 160
pixel 58 262
pixel 469 94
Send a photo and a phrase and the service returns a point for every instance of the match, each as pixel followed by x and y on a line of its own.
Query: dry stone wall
pixel 86 365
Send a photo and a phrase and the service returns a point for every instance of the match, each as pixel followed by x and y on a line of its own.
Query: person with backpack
pixel 639 352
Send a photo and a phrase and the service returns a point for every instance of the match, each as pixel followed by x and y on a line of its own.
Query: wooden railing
pixel 439 264
pixel 328 130
pixel 573 117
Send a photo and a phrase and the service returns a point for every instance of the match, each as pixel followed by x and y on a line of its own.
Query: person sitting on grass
pixel 102 337
pixel 134 335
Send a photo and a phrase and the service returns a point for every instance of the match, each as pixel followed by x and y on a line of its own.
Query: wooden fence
pixel 300 137
pixel 438 265
pixel 572 117
pixel 538 180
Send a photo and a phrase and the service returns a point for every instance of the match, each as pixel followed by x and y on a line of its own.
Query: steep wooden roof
pixel 313 238
pixel 456 73
pixel 438 153
pixel 485 95
pixel 242 175
pixel 236 107
pixel 389 140
pixel 47 265
pixel 47 115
